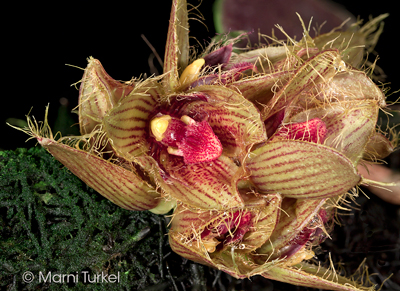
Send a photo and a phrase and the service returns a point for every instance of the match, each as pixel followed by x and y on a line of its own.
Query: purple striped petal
pixel 127 124
pixel 234 120
pixel 312 130
pixel 199 144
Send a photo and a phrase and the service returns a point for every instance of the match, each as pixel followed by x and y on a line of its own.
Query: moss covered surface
pixel 50 221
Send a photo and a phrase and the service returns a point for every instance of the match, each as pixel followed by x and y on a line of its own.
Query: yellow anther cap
pixel 191 72
pixel 159 125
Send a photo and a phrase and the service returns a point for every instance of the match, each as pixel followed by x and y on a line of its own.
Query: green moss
pixel 52 222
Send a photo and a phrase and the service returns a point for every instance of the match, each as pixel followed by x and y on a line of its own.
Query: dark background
pixel 39 39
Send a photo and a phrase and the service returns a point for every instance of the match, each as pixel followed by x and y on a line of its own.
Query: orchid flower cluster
pixel 252 150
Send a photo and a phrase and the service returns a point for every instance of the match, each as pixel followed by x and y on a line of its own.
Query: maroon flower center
pixel 228 231
pixel 194 141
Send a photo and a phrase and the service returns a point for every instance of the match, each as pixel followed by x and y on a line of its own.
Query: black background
pixel 39 39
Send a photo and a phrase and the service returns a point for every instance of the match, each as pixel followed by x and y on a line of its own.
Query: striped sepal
pixel 350 131
pixel 296 215
pixel 127 125
pixel 187 222
pixel 301 169
pixel 177 48
pixel 189 249
pixel 264 221
pixel 313 277
pixel 345 86
pixel 117 184
pixel 210 185
pixel 260 90
pixel 98 93
pixel 234 120
pixel 317 69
